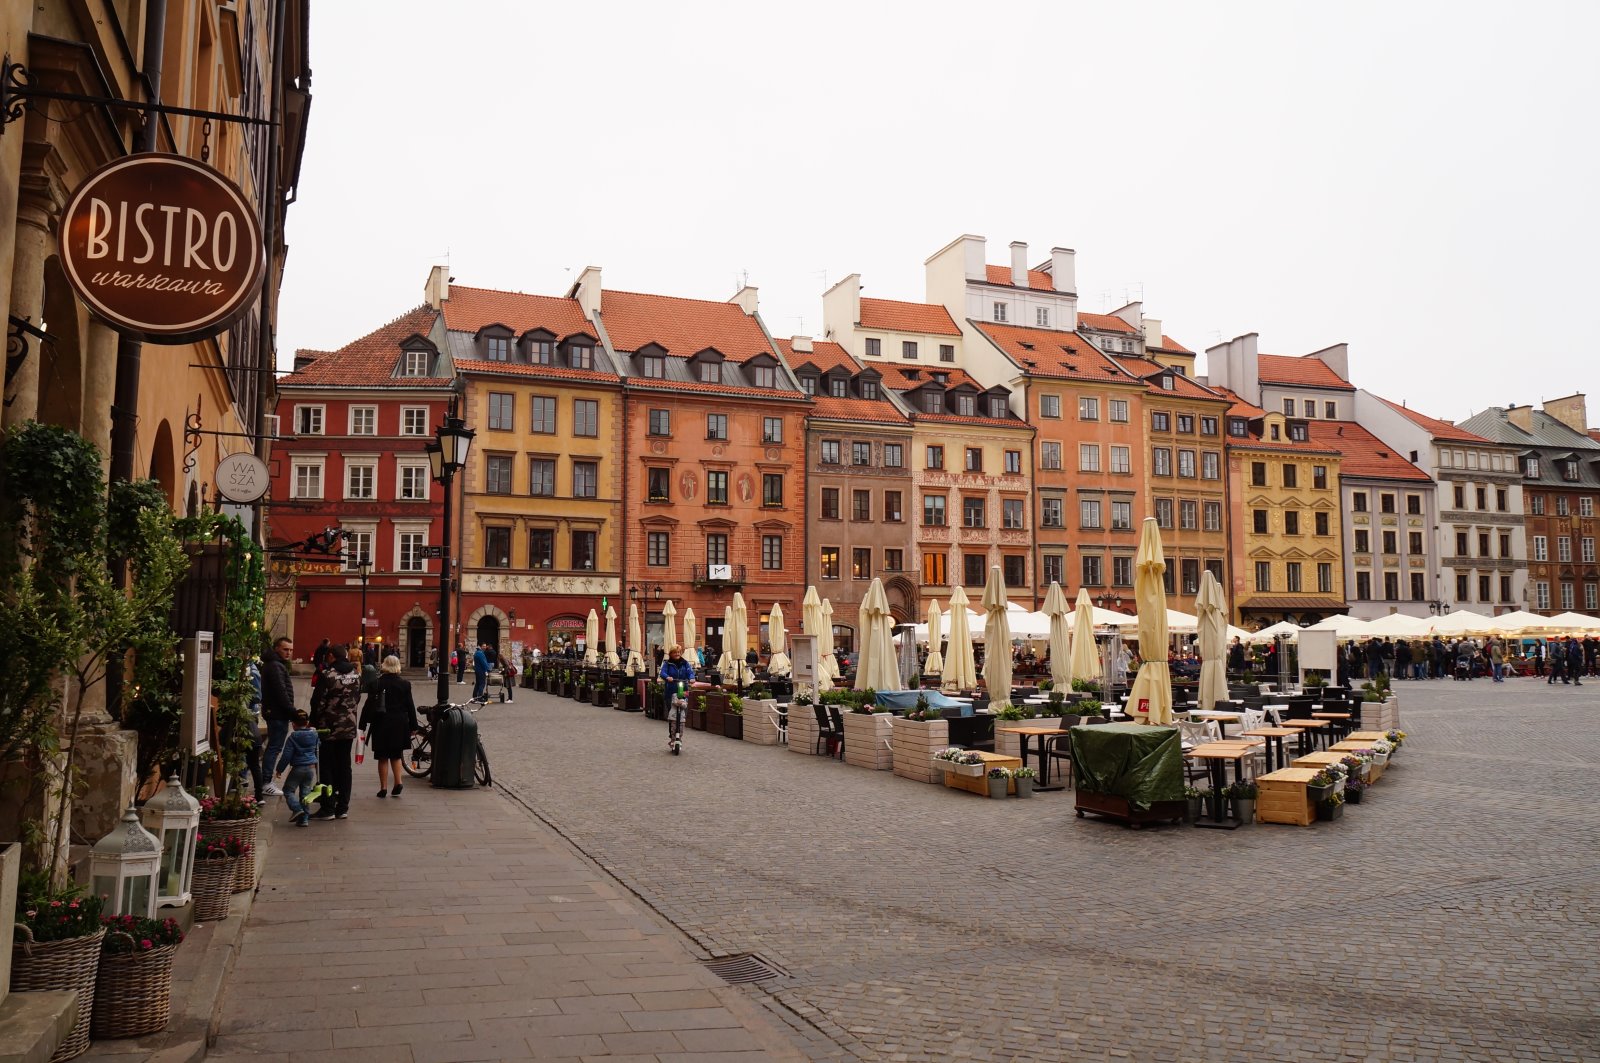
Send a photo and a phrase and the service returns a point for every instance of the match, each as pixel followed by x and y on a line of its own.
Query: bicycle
pixel 418 761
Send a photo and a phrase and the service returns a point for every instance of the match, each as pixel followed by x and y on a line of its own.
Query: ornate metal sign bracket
pixel 17 89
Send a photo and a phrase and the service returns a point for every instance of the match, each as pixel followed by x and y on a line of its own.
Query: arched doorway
pixel 416 643
pixel 489 631
pixel 163 468
pixel 61 357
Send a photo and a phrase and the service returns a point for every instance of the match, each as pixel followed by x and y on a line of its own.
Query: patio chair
pixel 836 716
pixel 781 718
pixel 1193 734
pixel 826 735
pixel 1059 746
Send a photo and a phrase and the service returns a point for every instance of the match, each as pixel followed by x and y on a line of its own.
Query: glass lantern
pixel 125 868
pixel 173 815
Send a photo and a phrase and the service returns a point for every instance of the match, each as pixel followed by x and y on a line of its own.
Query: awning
pixel 1298 604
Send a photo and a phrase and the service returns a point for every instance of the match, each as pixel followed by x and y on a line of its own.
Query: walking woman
pixel 390 719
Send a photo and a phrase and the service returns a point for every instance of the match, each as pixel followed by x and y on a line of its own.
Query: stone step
pixel 33 1024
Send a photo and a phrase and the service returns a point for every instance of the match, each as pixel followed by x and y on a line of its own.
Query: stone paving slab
pixel 452 926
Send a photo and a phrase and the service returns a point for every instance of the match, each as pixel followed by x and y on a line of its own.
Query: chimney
pixel 1244 368
pixel 746 298
pixel 800 344
pixel 1064 269
pixel 437 290
pixel 1152 332
pixel 1336 358
pixel 841 310
pixel 587 292
pixel 304 357
pixel 1571 412
pixel 1521 416
pixel 1019 263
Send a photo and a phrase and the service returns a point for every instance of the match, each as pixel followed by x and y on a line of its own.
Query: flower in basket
pixel 56 915
pixel 143 935
pixel 969 756
pixel 999 773
pixel 951 753
pixel 220 848
pixel 235 804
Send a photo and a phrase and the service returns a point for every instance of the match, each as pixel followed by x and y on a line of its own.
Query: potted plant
pixel 959 761
pixel 1091 708
pixel 1196 803
pixel 133 994
pixel 605 695
pixel 733 718
pixel 1057 705
pixel 1320 786
pixel 215 862
pixel 1354 789
pixel 1009 713
pixel 238 814
pixel 1396 740
pixel 57 946
pixel 1025 779
pixel 1331 807
pixel 999 781
pixel 1242 795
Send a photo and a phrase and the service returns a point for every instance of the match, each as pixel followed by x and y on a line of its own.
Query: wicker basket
pixel 212 887
pixel 244 876
pixel 60 965
pixel 134 996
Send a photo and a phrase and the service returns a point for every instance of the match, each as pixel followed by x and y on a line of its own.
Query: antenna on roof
pixel 824 275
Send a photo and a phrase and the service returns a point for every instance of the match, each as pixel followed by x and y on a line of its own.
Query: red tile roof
pixel 907 317
pixel 877 411
pixel 1104 322
pixel 1362 453
pixel 1170 344
pixel 470 309
pixel 894 376
pixel 1062 355
pixel 1307 370
pixel 653 384
pixel 1240 407
pixel 1037 278
pixel 1182 386
pixel 1437 428
pixel 371 360
pixel 826 355
pixel 955 418
pixel 682 326
pixel 544 372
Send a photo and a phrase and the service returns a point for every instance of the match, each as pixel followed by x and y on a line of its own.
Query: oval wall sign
pixel 242 477
pixel 162 247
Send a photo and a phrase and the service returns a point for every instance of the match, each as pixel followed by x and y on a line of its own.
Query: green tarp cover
pixel 1128 760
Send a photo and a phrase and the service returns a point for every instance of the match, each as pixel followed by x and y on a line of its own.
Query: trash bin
pixel 455 749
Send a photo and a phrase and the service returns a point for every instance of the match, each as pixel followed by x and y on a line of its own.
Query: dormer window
pixel 1167 383
pixel 764 376
pixel 869 389
pixel 580 356
pixel 808 384
pixel 497 348
pixel 911 374
pixel 839 387
pixel 1530 467
pixel 1238 426
pixel 415 363
pixel 1297 432
pixel 710 372
pixel 998 407
pixel 941 378
pixel 541 352
pixel 1569 469
pixel 653 366
pixel 965 405
pixel 933 402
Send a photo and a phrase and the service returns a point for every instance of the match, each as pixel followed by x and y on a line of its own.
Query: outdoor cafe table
pixel 1216 756
pixel 1222 716
pixel 1339 720
pixel 1368 736
pixel 1308 730
pixel 1043 734
pixel 1276 756
pixel 1318 760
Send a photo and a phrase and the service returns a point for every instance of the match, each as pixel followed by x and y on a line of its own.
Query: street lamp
pixel 447 455
pixel 655 661
pixel 1109 600
pixel 1438 608
pixel 364 568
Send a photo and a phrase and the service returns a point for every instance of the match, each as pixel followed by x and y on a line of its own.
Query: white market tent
pixel 1576 622
pixel 1398 626
pixel 1345 627
pixel 1267 634
pixel 1462 622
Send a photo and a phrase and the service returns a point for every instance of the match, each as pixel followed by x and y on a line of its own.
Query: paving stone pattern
pixel 1453 916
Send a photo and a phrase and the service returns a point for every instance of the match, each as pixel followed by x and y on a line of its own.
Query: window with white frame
pixel 999 311
pixel 1567 601
pixel 306 479
pixel 1541 548
pixel 1088 408
pixel 357 544
pixel 409 541
pixel 413 420
pixel 412 481
pixel 1117 409
pixel 1121 460
pixel 1585 506
pixel 360 478
pixel 308 420
pixel 1041 317
pixel 415 363
pixel 1564 549
pixel 1586 550
pixel 1591 596
pixel 1541 594
pixel 363 420
pixel 1088 457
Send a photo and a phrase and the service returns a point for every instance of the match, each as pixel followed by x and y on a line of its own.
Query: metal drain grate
pixel 743 968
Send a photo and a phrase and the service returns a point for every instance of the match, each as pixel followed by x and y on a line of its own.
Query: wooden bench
pixel 1281 797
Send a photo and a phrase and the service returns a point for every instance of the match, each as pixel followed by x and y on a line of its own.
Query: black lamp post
pixel 447 455
pixel 655 663
pixel 364 569
pixel 1438 608
pixel 1109 600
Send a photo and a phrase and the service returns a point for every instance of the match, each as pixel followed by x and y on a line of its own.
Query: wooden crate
pixel 1281 797
pixel 980 784
pixel 914 743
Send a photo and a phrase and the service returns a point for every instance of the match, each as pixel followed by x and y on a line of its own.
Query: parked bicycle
pixel 418 761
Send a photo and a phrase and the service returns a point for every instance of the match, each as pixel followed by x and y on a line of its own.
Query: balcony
pixel 729 576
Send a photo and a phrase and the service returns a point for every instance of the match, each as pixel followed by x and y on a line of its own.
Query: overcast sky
pixel 1419 180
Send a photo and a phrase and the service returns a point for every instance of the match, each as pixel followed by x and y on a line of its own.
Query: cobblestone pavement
pixel 1453 916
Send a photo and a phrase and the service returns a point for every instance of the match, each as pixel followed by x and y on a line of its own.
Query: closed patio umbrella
pixel 635 664
pixel 830 663
pixel 1055 607
pixel 689 637
pixel 725 662
pixel 996 641
pixel 935 662
pixel 591 639
pixel 1085 654
pixel 778 663
pixel 1213 610
pixel 612 660
pixel 1151 696
pixel 741 639
pixel 876 667
pixel 960 668
pixel 669 626
pixel 811 622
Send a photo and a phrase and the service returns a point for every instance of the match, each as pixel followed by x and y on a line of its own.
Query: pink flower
pixel 145 944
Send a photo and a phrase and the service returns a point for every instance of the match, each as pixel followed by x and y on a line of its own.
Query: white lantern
pixel 174 816
pixel 124 868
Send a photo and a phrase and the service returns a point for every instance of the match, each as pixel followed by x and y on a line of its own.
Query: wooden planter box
pixel 915 742
pixel 1281 797
pixel 979 784
pixel 716 706
pixel 1011 745
pixel 761 722
pixel 866 738
pixel 733 726
pixel 802 730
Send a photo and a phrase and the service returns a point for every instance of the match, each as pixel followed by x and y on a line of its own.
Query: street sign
pixel 433 553
pixel 242 477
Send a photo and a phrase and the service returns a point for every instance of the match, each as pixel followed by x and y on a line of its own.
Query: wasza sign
pixel 162 247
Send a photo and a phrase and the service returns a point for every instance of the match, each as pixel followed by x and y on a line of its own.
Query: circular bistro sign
pixel 242 477
pixel 162 247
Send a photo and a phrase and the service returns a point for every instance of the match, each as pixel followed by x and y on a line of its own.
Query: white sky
pixel 1416 179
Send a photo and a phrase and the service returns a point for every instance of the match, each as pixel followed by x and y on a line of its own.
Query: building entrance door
pixel 416 643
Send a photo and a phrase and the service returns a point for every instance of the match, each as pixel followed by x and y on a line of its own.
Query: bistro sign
pixel 162 248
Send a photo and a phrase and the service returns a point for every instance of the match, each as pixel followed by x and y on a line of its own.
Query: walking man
pixel 1575 661
pixel 277 704
pixel 480 672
